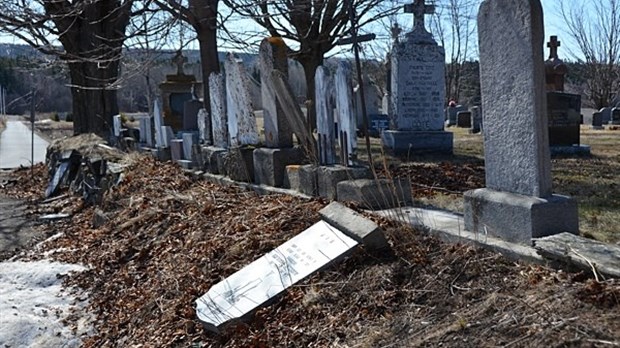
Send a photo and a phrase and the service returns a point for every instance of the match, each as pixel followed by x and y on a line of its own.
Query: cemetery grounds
pixel 162 238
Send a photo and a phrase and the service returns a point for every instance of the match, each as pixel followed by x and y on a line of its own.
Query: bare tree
pixel 313 27
pixel 595 28
pixel 454 24
pixel 92 34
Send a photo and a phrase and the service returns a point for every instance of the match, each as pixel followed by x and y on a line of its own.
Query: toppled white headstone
pixel 271 274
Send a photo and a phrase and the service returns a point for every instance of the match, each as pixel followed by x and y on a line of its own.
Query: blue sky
pixel 553 26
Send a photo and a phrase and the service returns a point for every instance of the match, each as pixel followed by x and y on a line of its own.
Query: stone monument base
pixel 376 194
pixel 575 150
pixel 270 164
pixel 237 163
pixel 323 180
pixel 519 218
pixel 597 127
pixel 405 143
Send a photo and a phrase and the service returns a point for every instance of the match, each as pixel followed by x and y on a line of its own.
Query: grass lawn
pixel 593 181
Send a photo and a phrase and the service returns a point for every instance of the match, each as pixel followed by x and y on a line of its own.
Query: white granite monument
pixel 418 92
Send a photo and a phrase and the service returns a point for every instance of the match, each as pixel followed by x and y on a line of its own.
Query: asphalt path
pixel 15 145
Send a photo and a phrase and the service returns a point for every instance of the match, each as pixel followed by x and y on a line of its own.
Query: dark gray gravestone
pixel 563 112
pixel 476 120
pixel 597 121
pixel 615 116
pixel 378 123
pixel 606 114
pixel 451 114
pixel 463 119
pixel 190 114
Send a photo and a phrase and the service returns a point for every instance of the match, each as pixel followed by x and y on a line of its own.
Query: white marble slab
pixel 271 274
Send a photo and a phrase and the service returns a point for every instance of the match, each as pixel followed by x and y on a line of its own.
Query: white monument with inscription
pixel 418 91
pixel 271 274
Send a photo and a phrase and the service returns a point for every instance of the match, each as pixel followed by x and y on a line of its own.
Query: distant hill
pixel 193 56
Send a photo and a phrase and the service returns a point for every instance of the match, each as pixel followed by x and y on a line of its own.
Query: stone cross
pixel 553 45
pixel 419 9
pixel 179 60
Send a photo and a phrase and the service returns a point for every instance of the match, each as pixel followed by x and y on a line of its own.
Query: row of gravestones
pixel 604 116
pixel 462 117
pixel 227 139
pixel 517 204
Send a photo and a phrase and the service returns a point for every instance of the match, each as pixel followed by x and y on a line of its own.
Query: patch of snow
pixel 33 305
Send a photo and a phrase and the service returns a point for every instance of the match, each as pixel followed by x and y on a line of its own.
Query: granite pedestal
pixel 270 164
pixel 238 164
pixel 519 218
pixel 376 194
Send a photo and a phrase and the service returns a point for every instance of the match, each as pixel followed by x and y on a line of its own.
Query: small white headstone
pixel 203 134
pixel 167 135
pixel 159 122
pixel 117 125
pixel 347 125
pixel 271 274
pixel 188 143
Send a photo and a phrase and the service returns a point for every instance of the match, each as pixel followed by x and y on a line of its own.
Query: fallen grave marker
pixel 271 274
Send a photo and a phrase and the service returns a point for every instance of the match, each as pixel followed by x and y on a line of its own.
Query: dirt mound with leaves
pixel 163 239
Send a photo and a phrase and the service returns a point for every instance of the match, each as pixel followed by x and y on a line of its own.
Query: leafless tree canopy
pixel 595 28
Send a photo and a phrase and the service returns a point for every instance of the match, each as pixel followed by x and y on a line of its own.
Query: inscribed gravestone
pixel 242 128
pixel 272 55
pixel 271 274
pixel 518 203
pixel 417 91
pixel 219 118
pixel 563 111
pixel 347 125
pixel 325 117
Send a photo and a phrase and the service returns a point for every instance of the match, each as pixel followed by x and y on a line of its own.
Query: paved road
pixel 15 145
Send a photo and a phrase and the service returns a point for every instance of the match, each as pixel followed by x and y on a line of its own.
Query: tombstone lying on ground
pixel 305 254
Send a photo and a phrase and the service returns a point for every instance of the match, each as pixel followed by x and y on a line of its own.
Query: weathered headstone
pixel 476 120
pixel 116 119
pixel 219 118
pixel 463 119
pixel 606 114
pixel 159 123
pixel 204 127
pixel 176 149
pixel 347 125
pixel 167 135
pixel 189 140
pixel 271 274
pixel 517 203
pixel 190 114
pixel 242 128
pixel 615 116
pixel 273 56
pixel 418 91
pixel 452 114
pixel 325 117
pixel 146 131
pixel 597 121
